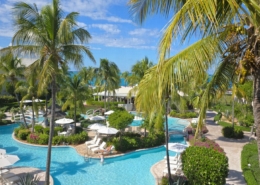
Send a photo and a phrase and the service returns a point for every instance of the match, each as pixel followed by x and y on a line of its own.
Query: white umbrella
pixel 2 151
pixel 176 147
pixel 64 121
pixel 109 112
pixel 7 160
pixel 107 130
pixel 38 100
pixel 96 126
pixel 97 118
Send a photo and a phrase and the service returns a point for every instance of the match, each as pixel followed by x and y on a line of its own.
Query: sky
pixel 116 36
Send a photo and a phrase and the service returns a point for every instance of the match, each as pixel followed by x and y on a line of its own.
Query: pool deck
pixel 232 148
pixel 21 171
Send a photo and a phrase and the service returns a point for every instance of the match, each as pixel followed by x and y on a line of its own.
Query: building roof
pixel 121 92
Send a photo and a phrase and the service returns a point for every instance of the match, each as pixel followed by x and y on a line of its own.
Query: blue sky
pixel 115 35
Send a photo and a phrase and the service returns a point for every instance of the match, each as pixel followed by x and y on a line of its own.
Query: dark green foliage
pixel 56 130
pixel 28 179
pixel 204 166
pixel 7 99
pixel 247 120
pixel 218 116
pixel 250 163
pixel 120 119
pixel 183 115
pixel 134 141
pixel 176 180
pixel 23 133
pixel 38 129
pixel 2 116
pixel 235 133
pixel 79 130
pixel 46 130
pixel 225 124
pixel 5 122
pixel 4 109
pixel 43 139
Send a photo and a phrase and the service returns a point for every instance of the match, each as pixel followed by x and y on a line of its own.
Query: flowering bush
pixel 33 138
pixel 206 143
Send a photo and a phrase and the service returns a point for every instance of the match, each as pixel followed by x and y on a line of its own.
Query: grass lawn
pixel 224 124
pixel 250 163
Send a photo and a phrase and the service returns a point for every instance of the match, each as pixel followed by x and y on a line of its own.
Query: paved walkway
pixel 232 148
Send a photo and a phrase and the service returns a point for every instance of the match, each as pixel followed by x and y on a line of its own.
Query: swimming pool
pixel 70 168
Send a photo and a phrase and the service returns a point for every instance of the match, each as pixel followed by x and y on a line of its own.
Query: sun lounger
pixel 95 145
pixel 11 180
pixel 91 142
pixel 101 147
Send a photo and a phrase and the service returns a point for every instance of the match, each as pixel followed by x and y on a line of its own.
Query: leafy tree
pixel 227 31
pixel 107 76
pixel 12 71
pixel 55 41
pixel 120 119
pixel 74 93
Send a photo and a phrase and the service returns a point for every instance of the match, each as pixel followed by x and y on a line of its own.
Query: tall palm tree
pixel 229 32
pixel 107 76
pixel 126 76
pixel 55 41
pixel 75 93
pixel 12 71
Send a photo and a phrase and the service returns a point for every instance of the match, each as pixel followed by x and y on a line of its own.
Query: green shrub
pixel 43 139
pixel 218 116
pixel 229 132
pixel 173 113
pixel 2 116
pixel 200 166
pixel 79 130
pixel 5 122
pixel 46 130
pixel 250 163
pixel 7 99
pixel 23 133
pixel 32 138
pixel 38 129
pixel 57 129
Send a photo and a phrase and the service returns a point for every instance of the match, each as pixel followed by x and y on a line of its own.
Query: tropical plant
pixel 75 92
pixel 107 76
pixel 229 32
pixel 29 179
pixel 12 71
pixel 54 41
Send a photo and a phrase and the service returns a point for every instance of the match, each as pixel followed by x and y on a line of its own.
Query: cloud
pixel 109 28
pixel 6 31
pixel 122 42
pixel 144 32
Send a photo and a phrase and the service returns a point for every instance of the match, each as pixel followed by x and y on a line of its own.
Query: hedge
pixel 204 166
pixel 183 115
pixel 250 163
pixel 4 99
pixel 235 133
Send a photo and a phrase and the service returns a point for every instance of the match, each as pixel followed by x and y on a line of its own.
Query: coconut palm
pixel 229 32
pixel 12 71
pixel 107 76
pixel 55 41
pixel 75 92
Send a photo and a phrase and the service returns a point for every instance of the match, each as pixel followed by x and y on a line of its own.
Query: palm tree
pixel 126 76
pixel 54 41
pixel 75 93
pixel 107 76
pixel 229 33
pixel 12 71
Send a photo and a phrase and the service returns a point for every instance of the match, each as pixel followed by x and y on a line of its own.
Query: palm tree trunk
pixel 52 123
pixel 75 112
pixel 33 122
pixel 256 108
pixel 105 103
pixel 166 142
pixel 24 120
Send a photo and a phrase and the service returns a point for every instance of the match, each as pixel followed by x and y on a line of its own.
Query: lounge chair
pixel 101 147
pixel 108 150
pixel 9 178
pixel 95 145
pixel 91 142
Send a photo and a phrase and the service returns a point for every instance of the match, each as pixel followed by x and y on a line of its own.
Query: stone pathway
pixel 232 148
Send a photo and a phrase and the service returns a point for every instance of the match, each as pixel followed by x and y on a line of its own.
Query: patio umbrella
pixel 107 130
pixel 7 160
pixel 64 121
pixel 96 126
pixel 2 151
pixel 97 118
pixel 109 112
pixel 176 147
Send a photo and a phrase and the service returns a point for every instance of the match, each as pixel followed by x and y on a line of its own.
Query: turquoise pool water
pixel 70 168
